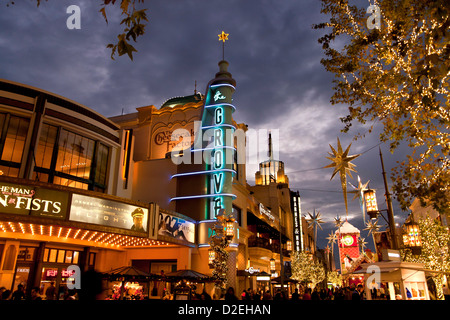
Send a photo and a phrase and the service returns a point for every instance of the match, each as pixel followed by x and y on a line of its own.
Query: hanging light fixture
pixel 289 245
pixel 370 200
pixel 272 265
pixel 229 229
pixel 211 257
pixel 411 237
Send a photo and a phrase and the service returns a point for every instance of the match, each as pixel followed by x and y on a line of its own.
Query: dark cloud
pixel 274 57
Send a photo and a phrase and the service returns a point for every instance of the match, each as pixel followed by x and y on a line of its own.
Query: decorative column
pixel 231 272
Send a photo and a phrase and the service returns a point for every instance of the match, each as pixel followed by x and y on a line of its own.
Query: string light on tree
pixel 391 69
pixel 434 252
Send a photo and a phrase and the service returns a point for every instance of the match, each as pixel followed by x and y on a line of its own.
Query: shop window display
pixel 415 290
pixel 61 256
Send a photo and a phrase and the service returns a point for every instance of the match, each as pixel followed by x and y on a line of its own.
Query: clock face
pixel 347 240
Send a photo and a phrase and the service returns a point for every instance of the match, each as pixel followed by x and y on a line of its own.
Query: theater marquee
pixel 33 200
pixel 108 213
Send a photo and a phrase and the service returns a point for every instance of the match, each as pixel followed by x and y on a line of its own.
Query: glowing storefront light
pixel 104 238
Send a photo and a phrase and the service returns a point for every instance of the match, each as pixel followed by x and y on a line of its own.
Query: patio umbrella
pixel 187 274
pixel 128 272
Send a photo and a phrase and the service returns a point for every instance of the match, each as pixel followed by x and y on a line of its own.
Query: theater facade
pixel 77 188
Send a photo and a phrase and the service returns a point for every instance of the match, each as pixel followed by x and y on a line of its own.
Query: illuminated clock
pixel 347 240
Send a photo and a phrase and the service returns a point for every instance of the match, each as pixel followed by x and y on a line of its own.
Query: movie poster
pixel 176 228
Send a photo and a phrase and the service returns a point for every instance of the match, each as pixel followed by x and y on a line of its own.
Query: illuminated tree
pixel 219 243
pixel 435 251
pixel 306 269
pixel 397 74
pixel 334 278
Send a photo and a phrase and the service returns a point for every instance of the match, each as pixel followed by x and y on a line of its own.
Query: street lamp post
pixel 372 206
pixel 390 209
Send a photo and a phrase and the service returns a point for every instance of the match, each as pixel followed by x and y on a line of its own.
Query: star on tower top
pixel 223 36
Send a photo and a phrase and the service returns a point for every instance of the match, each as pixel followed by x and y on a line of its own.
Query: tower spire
pixel 270 152
pixel 223 37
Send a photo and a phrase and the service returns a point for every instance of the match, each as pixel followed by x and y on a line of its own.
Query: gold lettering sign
pixel 175 139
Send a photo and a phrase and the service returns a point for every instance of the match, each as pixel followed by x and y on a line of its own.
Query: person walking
pixel 35 296
pixel 357 295
pixel 230 296
pixel 50 291
pixel 19 294
pixel 307 294
pixel 295 295
pixel 267 295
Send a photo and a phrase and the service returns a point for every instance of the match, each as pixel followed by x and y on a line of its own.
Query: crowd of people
pixel 337 293
pixel 305 293
pixel 35 295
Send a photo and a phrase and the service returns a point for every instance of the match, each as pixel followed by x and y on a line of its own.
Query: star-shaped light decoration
pixel 362 244
pixel 332 237
pixel 338 221
pixel 341 163
pixel 223 36
pixel 359 194
pixel 359 190
pixel 372 226
pixel 314 221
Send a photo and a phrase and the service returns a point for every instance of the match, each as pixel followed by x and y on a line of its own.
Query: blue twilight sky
pixel 273 54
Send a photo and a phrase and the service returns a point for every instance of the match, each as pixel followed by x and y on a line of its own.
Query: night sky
pixel 274 57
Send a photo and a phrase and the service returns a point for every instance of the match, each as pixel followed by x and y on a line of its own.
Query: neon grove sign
pixel 214 146
pixel 217 120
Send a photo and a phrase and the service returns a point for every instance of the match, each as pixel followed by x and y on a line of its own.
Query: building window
pixel 47 141
pixel 61 256
pixel 75 154
pixel 14 132
pixel 238 215
pixel 69 159
pixel 102 165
